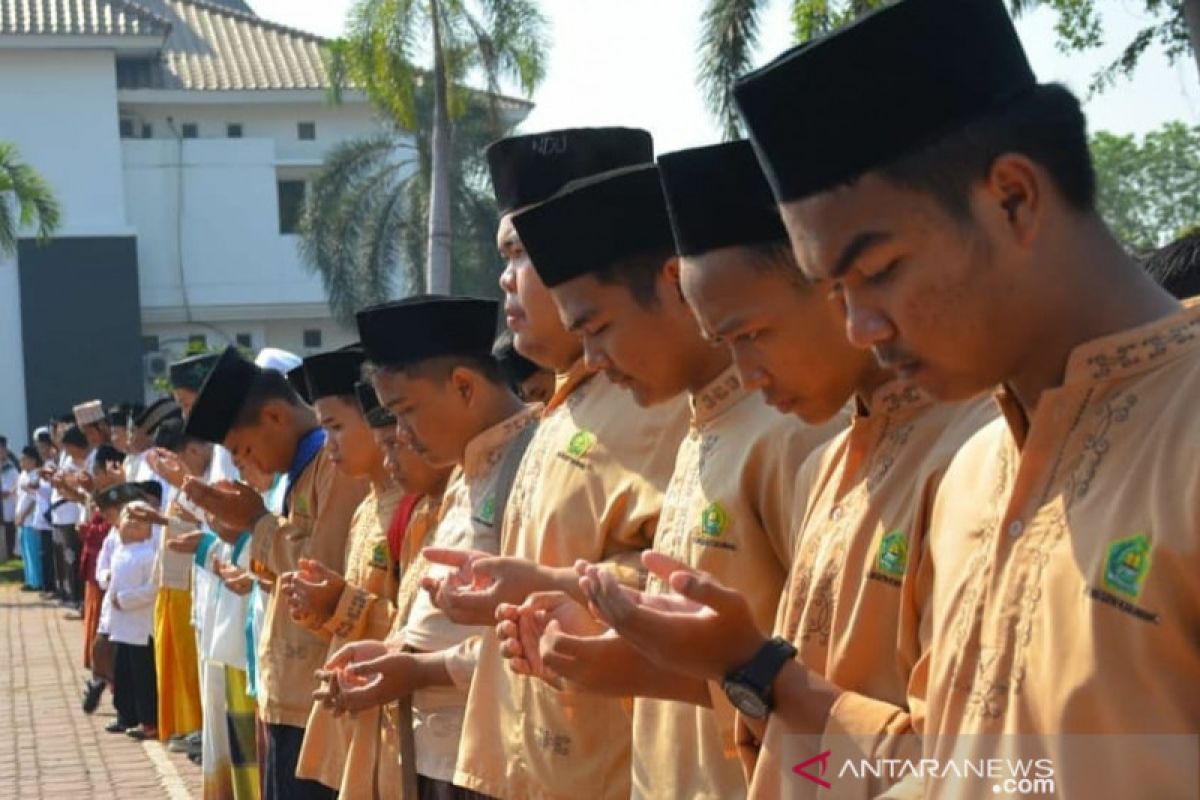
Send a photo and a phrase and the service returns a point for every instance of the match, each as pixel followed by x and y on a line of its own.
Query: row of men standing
pixel 770 522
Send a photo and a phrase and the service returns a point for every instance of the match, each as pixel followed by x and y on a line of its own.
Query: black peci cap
pixel 718 197
pixel 830 110
pixel 596 222
pixel 528 169
pixel 221 397
pixel 427 326
pixel 334 373
pixel 190 372
pixel 368 402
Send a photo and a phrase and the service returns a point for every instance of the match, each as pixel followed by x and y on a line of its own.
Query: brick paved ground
pixel 48 747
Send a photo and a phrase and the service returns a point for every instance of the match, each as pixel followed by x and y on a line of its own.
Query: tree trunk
pixel 437 265
pixel 1191 18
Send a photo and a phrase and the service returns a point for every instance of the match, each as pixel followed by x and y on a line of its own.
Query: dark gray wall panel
pixel 80 321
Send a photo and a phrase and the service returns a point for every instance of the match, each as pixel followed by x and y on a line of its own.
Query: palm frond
pixel 728 36
pixel 26 200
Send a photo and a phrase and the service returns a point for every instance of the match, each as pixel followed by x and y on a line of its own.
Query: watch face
pixel 746 700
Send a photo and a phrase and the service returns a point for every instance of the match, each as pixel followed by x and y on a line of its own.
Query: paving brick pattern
pixel 48 747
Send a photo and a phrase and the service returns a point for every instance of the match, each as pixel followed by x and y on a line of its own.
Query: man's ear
pixel 671 285
pixel 273 413
pixel 463 384
pixel 1015 192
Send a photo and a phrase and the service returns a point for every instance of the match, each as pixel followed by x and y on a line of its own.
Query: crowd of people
pixel 860 442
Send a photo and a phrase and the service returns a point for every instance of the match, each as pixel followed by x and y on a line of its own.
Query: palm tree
pixel 25 200
pixel 729 37
pixel 365 223
pixel 491 39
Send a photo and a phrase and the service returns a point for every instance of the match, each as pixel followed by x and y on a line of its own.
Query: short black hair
pixel 31 452
pixel 638 274
pixel 107 454
pixel 74 436
pixel 172 435
pixel 439 368
pixel 267 385
pixel 1046 125
pixel 1176 266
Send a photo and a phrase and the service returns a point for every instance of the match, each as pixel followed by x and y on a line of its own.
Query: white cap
pixel 88 413
pixel 276 359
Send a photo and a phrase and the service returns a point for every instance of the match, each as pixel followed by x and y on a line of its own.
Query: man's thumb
pixel 702 588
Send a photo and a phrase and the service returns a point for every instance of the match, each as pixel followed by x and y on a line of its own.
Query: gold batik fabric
pixel 857 591
pixel 589 487
pixel 729 510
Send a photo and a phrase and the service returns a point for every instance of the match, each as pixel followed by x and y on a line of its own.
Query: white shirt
pixel 27 497
pixel 104 576
pixel 67 513
pixel 8 485
pixel 132 584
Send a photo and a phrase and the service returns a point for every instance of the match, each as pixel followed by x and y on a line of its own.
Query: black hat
pixel 427 326
pixel 516 367
pixel 596 222
pixel 368 402
pixel 189 373
pixel 335 373
pixel 149 418
pixel 221 396
pixel 828 111
pixel 118 415
pixel 718 197
pixel 295 377
pixel 121 493
pixel 528 169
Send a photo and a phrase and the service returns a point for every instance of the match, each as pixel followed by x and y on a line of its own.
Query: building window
pixel 147 130
pixel 291 204
pixel 197 343
pixel 244 340
pixel 312 337
pixel 149 344
pixel 191 130
pixel 307 131
pixel 126 129
pixel 234 130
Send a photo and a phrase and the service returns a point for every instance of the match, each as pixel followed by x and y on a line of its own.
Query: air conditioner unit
pixel 155 365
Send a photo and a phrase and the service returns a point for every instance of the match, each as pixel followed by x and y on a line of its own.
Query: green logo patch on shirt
pixel 487 512
pixel 1126 564
pixel 581 443
pixel 713 520
pixel 892 558
pixel 379 556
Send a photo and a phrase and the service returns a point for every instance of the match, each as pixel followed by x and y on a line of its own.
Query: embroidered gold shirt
pixel 467 521
pixel 730 510
pixel 320 506
pixel 336 746
pixel 1067 549
pixel 857 589
pixel 590 486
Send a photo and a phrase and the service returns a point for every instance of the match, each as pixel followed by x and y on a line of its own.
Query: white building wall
pixel 60 109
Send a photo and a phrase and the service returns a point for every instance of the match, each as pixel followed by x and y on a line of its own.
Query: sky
pixel 633 62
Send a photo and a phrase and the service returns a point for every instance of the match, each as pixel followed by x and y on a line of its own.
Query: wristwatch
pixel 749 687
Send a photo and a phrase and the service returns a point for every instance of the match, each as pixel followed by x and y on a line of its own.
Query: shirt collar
pixel 484 451
pixel 567 382
pixel 895 397
pixel 306 450
pixel 719 395
pixel 1137 349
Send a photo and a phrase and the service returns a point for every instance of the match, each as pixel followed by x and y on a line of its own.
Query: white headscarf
pixel 276 359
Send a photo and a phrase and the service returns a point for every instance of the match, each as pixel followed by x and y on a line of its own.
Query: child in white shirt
pixel 132 590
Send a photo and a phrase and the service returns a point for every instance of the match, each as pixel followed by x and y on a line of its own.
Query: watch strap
pixel 761 671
